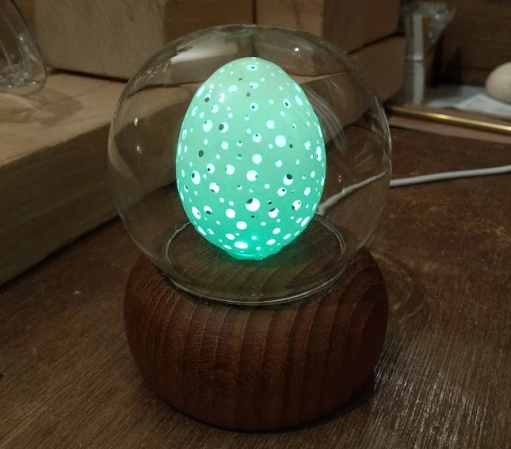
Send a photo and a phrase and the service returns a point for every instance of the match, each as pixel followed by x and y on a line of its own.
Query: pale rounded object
pixel 276 180
pixel 498 83
pixel 266 162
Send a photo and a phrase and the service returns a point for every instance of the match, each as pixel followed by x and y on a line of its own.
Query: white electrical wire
pixel 399 182
pixel 325 205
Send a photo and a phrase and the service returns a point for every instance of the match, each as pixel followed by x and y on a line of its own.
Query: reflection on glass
pixel 21 65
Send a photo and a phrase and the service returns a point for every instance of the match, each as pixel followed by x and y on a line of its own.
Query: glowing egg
pixel 250 159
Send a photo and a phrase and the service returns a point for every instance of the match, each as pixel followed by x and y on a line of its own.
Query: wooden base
pixel 257 368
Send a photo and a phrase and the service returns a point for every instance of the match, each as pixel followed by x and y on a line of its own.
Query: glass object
pixel 22 68
pixel 236 138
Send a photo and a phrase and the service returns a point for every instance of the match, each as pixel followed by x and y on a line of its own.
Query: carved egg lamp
pixel 250 165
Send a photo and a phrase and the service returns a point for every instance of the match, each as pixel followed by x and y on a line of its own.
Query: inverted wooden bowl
pixel 257 367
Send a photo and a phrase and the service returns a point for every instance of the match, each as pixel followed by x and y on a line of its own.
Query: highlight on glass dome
pixel 248 148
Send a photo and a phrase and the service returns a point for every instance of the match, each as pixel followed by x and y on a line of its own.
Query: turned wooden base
pixel 257 368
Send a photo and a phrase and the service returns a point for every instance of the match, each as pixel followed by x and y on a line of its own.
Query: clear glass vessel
pixel 250 163
pixel 22 68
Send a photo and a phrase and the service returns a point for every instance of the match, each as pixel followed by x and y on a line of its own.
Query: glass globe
pixel 250 163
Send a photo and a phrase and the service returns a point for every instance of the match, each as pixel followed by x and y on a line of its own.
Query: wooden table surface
pixel 68 380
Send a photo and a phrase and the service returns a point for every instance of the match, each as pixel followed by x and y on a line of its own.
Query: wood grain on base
pixel 257 368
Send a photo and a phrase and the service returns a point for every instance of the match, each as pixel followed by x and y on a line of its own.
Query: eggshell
pixel 498 83
pixel 250 159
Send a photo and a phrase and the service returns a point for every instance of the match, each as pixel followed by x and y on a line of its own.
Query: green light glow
pixel 251 159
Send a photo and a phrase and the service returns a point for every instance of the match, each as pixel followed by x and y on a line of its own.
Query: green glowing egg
pixel 250 159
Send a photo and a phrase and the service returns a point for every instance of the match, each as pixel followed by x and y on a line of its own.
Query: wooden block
pixel 298 14
pixel 53 171
pixel 383 63
pixel 350 24
pixel 113 38
pixel 341 22
pixel 476 42
pixel 382 19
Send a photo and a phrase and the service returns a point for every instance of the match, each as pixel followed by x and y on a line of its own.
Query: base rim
pixel 327 262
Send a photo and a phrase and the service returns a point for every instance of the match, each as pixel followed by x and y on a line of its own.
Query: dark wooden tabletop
pixel 68 380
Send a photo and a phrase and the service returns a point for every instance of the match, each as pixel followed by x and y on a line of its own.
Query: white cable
pixel 399 182
pixel 329 202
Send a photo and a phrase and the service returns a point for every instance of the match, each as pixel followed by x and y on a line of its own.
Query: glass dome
pixel 250 163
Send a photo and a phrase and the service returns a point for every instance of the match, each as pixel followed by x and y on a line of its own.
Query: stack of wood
pixel 364 28
pixel 114 39
pixel 54 184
